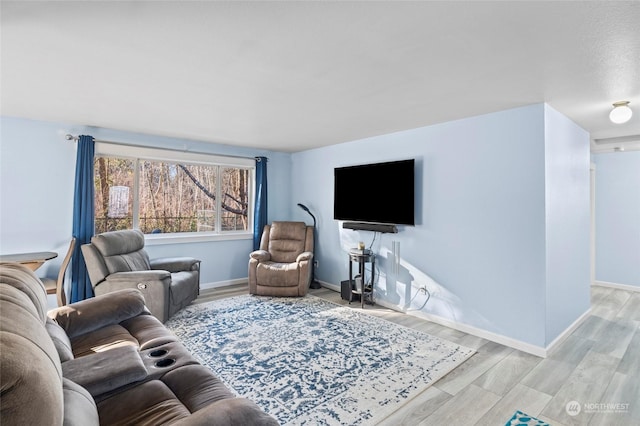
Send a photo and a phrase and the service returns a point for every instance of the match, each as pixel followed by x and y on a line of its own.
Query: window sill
pixel 195 237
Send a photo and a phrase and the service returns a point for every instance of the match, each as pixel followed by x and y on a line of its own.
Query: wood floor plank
pixel 552 422
pixel 631 309
pixel 620 403
pixel 616 336
pixel 630 363
pixel 572 350
pixel 592 328
pixel 473 342
pixel 418 409
pixel 465 408
pixel 503 376
pixel 465 374
pixel 549 375
pixel 609 306
pixel 586 383
pixel 521 398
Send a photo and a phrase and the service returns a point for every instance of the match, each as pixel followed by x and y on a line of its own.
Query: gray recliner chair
pixel 117 260
pixel 282 265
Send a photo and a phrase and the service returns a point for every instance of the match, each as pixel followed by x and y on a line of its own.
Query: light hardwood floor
pixel 598 366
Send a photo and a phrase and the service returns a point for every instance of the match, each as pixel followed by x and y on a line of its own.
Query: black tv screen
pixel 377 193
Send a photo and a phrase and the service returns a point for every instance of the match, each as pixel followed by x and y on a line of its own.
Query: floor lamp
pixel 314 283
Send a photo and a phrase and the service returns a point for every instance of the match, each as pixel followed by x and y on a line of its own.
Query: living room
pixel 503 234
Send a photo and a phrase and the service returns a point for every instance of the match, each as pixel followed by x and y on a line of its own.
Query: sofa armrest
pixel 154 286
pixel 175 264
pixel 306 255
pixel 97 312
pixel 105 371
pixel 79 406
pixel 260 255
pixel 138 276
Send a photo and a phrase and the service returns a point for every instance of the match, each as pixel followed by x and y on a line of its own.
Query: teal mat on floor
pixel 523 419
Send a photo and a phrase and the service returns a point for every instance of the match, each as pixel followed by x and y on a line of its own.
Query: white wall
pixel 618 217
pixel 480 241
pixel 37 168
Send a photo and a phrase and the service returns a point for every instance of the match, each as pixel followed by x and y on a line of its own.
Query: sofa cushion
pixel 114 243
pixel 128 262
pixel 14 296
pixel 28 283
pixel 275 274
pixel 196 386
pixel 60 340
pixel 28 381
pixel 79 407
pixel 151 403
pixel 227 412
pixel 287 241
pixel 109 337
pixel 30 367
pixel 123 250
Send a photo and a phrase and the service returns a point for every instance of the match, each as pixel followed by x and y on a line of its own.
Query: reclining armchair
pixel 117 260
pixel 282 265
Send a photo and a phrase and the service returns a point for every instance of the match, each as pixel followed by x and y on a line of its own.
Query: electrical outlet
pixel 316 263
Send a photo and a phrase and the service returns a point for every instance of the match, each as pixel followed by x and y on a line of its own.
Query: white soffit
pixel 616 144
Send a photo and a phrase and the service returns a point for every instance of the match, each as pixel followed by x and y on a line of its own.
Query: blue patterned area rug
pixel 310 361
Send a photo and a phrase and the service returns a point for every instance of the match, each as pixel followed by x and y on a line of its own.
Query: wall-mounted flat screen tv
pixel 376 193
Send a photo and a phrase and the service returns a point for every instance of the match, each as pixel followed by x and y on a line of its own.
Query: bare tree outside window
pixel 235 199
pixel 172 197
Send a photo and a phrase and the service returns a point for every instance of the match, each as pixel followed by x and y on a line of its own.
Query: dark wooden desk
pixel 31 260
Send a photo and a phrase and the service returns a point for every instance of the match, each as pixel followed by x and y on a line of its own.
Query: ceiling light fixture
pixel 621 113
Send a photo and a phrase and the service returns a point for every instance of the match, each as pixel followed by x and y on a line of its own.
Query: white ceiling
pixel 290 76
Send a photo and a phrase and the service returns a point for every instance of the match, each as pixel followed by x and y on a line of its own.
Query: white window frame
pixel 168 155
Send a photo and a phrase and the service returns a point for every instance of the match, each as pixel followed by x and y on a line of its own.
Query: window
pixel 161 194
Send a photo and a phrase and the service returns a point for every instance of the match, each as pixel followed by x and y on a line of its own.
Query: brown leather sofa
pixel 282 265
pixel 105 361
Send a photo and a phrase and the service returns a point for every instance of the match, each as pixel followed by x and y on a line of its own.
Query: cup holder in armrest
pixel 158 353
pixel 165 362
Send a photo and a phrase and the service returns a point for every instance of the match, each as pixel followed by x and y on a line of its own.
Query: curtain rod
pixel 71 137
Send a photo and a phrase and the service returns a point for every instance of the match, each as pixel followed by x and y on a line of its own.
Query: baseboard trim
pixel 329 286
pixel 627 287
pixel 567 332
pixel 216 284
pixel 474 331
pixel 540 351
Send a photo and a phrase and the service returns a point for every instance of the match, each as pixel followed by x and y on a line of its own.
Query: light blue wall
pixel 618 217
pixel 479 240
pixel 567 162
pixel 490 213
pixel 37 167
